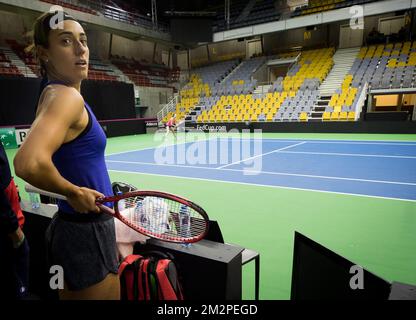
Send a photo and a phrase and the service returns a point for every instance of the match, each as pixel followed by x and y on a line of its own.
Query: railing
pixel 169 107
pixel 260 88
pixel 282 13
pixel 74 5
pixel 223 81
pixel 114 13
pixel 297 58
pixel 361 101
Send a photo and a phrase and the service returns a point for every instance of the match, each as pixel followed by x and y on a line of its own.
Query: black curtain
pixel 108 100
pixel 18 100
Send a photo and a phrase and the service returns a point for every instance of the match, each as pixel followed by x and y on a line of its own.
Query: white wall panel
pixel 309 20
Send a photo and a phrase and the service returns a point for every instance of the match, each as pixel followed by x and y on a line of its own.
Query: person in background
pixel 171 125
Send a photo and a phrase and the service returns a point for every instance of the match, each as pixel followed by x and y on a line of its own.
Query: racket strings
pixel 164 218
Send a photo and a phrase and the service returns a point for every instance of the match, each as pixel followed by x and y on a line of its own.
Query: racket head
pixel 161 215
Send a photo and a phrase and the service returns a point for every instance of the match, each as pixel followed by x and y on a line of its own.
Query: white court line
pixel 393 142
pixel 161 164
pixel 328 177
pixel 382 142
pixel 351 154
pixel 268 186
pixel 155 147
pixel 135 150
pixel 270 172
pixel 261 155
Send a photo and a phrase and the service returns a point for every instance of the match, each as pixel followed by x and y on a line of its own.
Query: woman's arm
pixel 59 119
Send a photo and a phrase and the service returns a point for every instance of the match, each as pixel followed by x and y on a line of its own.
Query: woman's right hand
pixel 83 200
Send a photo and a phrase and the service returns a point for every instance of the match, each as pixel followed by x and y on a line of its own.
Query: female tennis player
pixel 170 125
pixel 64 153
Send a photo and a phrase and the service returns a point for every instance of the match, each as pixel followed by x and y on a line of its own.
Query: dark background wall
pixel 18 100
pixel 108 100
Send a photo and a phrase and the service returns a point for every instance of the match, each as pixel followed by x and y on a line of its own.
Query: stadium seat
pixel 303 116
pixel 351 116
pixel 334 116
pixel 326 116
pixel 343 116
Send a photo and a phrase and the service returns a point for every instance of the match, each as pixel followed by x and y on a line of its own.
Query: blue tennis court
pixel 385 169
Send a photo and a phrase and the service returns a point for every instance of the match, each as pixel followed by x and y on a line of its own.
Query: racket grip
pixel 105 209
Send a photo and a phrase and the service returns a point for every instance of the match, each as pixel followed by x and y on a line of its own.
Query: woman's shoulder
pixel 60 96
pixel 62 91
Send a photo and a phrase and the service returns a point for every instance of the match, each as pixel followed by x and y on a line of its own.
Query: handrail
pixel 283 13
pixel 114 13
pixel 168 107
pixel 361 101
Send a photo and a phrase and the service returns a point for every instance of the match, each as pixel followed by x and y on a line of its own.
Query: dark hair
pixel 41 30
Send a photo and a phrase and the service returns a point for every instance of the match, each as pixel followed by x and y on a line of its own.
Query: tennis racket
pixel 155 214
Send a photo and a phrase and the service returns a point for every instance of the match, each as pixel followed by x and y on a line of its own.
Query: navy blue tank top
pixel 81 161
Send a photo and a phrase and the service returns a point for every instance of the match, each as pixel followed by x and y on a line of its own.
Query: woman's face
pixel 68 53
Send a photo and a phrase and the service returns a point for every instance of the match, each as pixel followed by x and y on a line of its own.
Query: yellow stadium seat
pixel 273 109
pixel 351 116
pixel 334 116
pixel 343 116
pixel 349 102
pixel 269 117
pixel 326 116
pixel 303 116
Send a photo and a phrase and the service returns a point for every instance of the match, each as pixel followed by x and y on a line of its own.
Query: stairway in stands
pixel 343 61
pixel 19 63
pixel 262 89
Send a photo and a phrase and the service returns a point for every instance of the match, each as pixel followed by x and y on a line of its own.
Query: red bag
pixel 150 277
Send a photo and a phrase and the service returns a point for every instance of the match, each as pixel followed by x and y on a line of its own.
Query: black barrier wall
pixel 108 100
pixel 123 128
pixel 18 100
pixel 399 127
